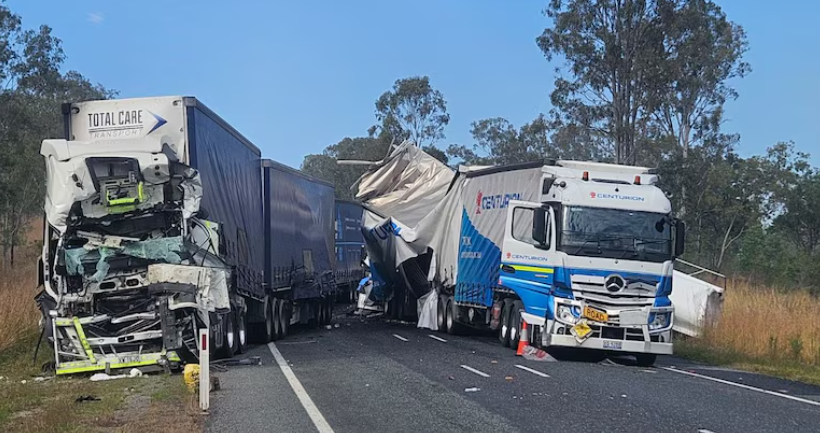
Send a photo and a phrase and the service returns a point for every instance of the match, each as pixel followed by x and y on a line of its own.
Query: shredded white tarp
pixel 427 311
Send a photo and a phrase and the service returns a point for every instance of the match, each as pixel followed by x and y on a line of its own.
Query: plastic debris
pixel 328 327
pixel 533 354
pixel 191 376
pixel 253 360
pixel 509 378
pixel 473 389
pixel 451 378
pixel 23 382
pixel 623 395
pixel 134 372
pixel 83 398
pixel 336 325
pixel 493 362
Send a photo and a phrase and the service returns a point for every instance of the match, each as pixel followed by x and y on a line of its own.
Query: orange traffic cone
pixel 524 338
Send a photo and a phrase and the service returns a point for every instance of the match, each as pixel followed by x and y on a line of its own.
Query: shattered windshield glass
pixel 615 233
pixel 77 260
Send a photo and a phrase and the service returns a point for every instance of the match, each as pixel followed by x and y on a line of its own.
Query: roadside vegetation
pixel 774 331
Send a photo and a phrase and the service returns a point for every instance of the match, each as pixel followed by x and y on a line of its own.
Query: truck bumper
pixel 626 346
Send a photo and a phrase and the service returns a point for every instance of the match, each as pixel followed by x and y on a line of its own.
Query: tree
pixel 703 51
pixel 642 74
pixel 498 142
pixel 613 50
pixel 33 89
pixel 324 166
pixel 413 110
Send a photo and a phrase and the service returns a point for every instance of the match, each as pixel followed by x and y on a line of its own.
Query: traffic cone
pixel 524 338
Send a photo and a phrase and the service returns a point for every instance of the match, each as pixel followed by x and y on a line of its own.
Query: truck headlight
pixel 661 321
pixel 565 314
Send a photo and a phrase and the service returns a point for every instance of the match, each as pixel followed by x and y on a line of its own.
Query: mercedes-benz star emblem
pixel 614 283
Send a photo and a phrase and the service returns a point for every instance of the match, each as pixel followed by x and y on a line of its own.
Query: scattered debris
pixel 609 362
pixel 451 378
pixel 366 384
pixel 253 360
pixel 337 325
pixel 83 398
pixel 533 354
pixel 509 378
pixel 23 381
pixel 623 395
pixel 134 372
pixel 493 362
pixel 43 379
pixel 328 327
pixel 650 371
pixel 473 389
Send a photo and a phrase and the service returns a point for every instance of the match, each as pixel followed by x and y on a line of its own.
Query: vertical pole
pixel 204 365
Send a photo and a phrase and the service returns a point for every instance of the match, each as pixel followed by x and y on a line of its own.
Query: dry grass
pixel 764 329
pixel 152 403
pixel 18 310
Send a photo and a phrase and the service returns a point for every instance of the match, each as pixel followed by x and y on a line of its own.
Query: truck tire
pixel 217 331
pixel 277 325
pixel 231 341
pixel 441 313
pixel 329 312
pixel 269 327
pixel 515 323
pixel 262 333
pixel 645 359
pixel 283 317
pixel 453 327
pixel 504 328
pixel 242 333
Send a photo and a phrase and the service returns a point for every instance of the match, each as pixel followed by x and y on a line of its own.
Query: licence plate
pixel 595 314
pixel 617 345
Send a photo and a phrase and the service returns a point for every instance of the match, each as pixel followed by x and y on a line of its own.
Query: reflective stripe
pixel 83 341
pixel 531 269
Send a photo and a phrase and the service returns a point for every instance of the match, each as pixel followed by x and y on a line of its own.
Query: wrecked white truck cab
pixel 130 268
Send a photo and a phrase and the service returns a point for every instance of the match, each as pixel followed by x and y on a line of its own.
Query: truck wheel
pixel 283 316
pixel 515 323
pixel 276 321
pixel 441 312
pixel 453 327
pixel 645 359
pixel 269 327
pixel 504 329
pixel 231 340
pixel 320 313
pixel 242 334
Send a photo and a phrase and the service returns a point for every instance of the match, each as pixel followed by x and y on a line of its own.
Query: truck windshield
pixel 615 233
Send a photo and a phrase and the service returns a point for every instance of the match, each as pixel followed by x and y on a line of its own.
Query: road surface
pixel 379 376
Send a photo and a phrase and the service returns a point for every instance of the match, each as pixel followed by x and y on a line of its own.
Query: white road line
pixel 535 372
pixel 740 385
pixel 311 409
pixel 400 337
pixel 434 337
pixel 473 370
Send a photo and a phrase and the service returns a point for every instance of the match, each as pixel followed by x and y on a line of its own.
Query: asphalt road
pixel 365 377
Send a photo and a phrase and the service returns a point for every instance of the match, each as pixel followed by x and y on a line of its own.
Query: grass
pixel 150 403
pixel 763 329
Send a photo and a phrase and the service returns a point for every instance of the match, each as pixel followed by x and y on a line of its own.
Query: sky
pixel 296 76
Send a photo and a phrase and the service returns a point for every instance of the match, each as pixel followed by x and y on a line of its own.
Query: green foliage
pixel 34 86
pixel 412 110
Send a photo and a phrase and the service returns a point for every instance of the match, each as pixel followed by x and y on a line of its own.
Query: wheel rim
pixel 449 319
pixel 230 336
pixel 242 334
pixel 269 322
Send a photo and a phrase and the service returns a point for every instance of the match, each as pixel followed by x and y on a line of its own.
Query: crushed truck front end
pixel 129 270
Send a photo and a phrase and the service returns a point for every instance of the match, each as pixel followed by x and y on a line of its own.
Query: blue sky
pixel 295 76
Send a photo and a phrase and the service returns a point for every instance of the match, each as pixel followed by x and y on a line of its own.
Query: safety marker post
pixel 204 364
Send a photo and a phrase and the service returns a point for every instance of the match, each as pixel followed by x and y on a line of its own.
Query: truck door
pixel 528 256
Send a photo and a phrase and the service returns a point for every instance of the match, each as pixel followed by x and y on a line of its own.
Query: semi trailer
pixel 162 219
pixel 579 252
pixel 349 248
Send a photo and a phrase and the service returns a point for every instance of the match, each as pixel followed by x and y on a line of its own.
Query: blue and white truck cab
pixel 592 261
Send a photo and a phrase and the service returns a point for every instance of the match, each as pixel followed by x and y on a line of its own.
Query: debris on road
pixel 83 398
pixel 134 372
pixel 473 389
pixel 509 378
pixel 493 362
pixel 253 360
pixel 533 354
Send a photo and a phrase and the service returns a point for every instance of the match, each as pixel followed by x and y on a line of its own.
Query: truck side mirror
pixel 539 226
pixel 680 237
